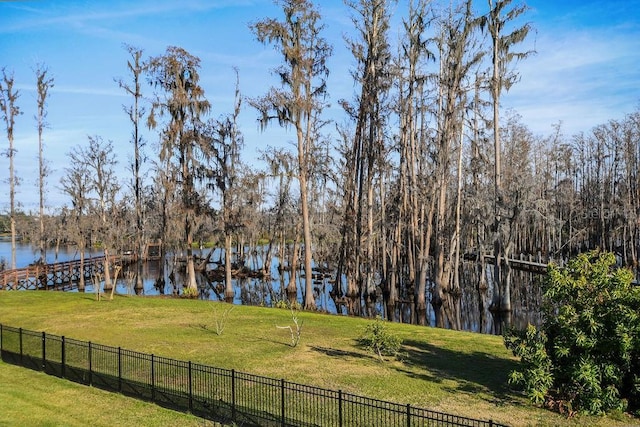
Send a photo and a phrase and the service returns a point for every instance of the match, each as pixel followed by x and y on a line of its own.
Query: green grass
pixel 30 398
pixel 455 372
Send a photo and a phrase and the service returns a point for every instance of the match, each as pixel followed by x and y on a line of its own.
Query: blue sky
pixel 586 70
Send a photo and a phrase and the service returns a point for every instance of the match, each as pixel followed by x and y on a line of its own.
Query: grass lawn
pixel 455 372
pixel 30 398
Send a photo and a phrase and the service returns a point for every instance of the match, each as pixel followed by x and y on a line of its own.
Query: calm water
pixel 26 255
pixel 247 291
pixel 157 280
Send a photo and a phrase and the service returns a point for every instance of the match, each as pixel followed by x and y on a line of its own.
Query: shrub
pixel 377 339
pixel 188 292
pixel 295 305
pixel 535 376
pixel 586 355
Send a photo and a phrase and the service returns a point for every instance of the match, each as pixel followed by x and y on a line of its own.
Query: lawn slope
pixel 455 372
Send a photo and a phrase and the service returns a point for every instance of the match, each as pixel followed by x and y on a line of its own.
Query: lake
pixel 247 290
pixel 264 292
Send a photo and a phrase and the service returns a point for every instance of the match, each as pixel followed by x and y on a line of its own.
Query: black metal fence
pixel 208 392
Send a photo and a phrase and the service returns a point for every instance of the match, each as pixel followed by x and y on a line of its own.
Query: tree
pixel 586 355
pixel 502 78
pixel 76 184
pixel 182 99
pixel 459 57
pixel 365 153
pixel 411 239
pixel 280 170
pixel 44 83
pixel 136 113
pixel 226 143
pixel 299 102
pixel 9 109
pixel 100 161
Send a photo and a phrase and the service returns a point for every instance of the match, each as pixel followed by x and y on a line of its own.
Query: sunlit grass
pixel 455 372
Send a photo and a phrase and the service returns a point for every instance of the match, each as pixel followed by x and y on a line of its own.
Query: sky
pixel 585 72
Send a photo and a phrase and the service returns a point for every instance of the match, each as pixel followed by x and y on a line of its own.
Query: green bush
pixel 377 339
pixel 285 304
pixel 188 292
pixel 535 374
pixel 586 355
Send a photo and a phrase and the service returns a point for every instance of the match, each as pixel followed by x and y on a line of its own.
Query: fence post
pixel 340 408
pixel 153 379
pixel 44 350
pixel 282 407
pixel 408 415
pixel 90 368
pixel 233 395
pixel 190 389
pixel 63 357
pixel 119 369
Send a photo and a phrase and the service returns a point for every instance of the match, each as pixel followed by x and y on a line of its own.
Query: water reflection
pixel 161 278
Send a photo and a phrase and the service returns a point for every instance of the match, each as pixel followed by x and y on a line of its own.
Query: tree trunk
pixel 229 293
pixel 107 270
pixel 192 284
pixel 81 283
pixel 292 286
pixel 441 270
pixel 309 299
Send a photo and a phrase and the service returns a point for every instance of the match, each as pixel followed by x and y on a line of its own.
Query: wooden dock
pixel 521 264
pixel 58 276
pixel 525 263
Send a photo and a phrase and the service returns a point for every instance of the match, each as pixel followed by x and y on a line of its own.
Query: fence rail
pixel 209 392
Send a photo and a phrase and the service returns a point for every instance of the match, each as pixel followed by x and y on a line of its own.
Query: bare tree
pixel 103 184
pixel 365 154
pixel 412 234
pixel 300 100
pixel 458 57
pixel 9 109
pixel 76 184
pixel 44 83
pixel 629 136
pixel 136 112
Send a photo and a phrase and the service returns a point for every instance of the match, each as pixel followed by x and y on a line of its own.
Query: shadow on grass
pixel 474 372
pixel 334 352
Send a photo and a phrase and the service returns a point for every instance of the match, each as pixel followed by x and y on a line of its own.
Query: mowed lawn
pixel 30 398
pixel 455 372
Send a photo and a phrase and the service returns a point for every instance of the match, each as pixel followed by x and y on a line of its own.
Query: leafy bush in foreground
pixel 377 339
pixel 586 355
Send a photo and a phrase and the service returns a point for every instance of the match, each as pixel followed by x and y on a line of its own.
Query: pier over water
pixel 58 276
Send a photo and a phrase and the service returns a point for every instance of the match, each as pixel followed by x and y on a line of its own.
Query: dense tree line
pixel 400 201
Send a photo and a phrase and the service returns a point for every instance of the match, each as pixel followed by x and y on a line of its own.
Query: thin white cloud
pixel 578 77
pixel 66 14
pixel 76 90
